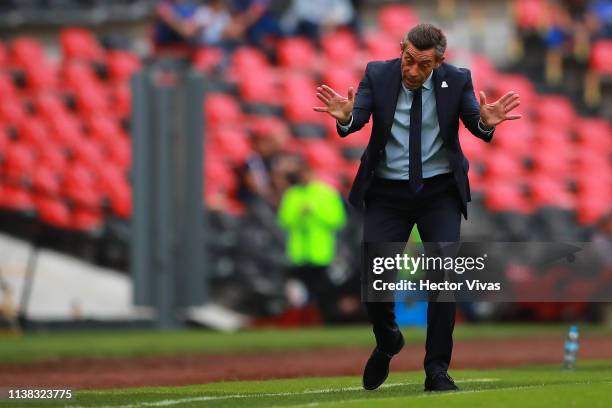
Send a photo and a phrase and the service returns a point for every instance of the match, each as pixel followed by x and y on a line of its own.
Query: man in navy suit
pixel 414 172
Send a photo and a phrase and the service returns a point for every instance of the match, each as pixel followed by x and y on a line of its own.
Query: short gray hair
pixel 426 36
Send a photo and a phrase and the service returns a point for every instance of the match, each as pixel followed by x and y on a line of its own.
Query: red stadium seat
pixel 476 181
pixel 221 109
pixel 88 152
pixel 104 129
pixel 207 59
pixel 515 138
pixel 356 139
pixel 246 59
pixel 531 14
pixel 86 220
pixel 601 57
pixel 299 109
pixel 322 155
pixel 232 144
pixel 11 111
pixel 121 96
pixel 505 197
pixel 500 165
pixel 381 46
pixel 7 87
pixel 340 46
pixel 259 86
pixel 52 158
pixel 3 54
pixel 557 163
pixel 27 51
pixel 33 131
pixel 76 74
pixel 52 211
pixel 591 208
pixel 122 65
pixel 19 161
pixel 66 130
pixel 555 111
pixel 41 77
pixel 550 191
pixel 121 201
pixel 484 75
pixel 120 152
pixel 265 125
pixel 298 53
pixel 472 147
pixel 521 85
pixel 46 181
pixel 16 198
pixel 4 142
pixel 92 100
pixel 79 43
pixel 79 186
pixel 49 105
pixel 594 133
pixel 340 79
pixel 396 20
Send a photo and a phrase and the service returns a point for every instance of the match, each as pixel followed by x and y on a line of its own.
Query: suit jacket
pixel 377 97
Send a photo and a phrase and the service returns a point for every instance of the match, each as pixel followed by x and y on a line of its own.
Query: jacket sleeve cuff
pixel 345 128
pixel 483 130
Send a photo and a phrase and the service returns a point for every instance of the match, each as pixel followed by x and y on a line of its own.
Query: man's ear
pixel 439 61
pixel 402 45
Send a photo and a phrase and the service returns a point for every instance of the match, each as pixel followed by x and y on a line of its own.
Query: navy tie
pixel 415 180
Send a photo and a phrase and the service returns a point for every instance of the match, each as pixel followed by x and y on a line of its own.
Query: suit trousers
pixel 391 211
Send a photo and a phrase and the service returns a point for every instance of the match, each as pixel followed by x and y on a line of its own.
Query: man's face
pixel 417 64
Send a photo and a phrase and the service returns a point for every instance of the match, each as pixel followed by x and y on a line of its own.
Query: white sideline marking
pixel 165 403
pixel 443 394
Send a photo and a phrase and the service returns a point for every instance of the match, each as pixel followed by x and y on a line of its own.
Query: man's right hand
pixel 338 106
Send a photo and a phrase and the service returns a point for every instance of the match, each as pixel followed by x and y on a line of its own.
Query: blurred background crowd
pixel 283 244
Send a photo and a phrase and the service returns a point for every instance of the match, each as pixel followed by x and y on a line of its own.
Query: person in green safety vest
pixel 311 212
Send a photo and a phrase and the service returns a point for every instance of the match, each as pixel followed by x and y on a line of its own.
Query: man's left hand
pixel 492 114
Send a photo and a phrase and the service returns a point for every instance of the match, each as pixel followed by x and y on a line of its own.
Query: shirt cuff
pixel 345 128
pixel 483 130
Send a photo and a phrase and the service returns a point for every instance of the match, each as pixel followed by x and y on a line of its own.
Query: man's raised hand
pixel 495 113
pixel 338 106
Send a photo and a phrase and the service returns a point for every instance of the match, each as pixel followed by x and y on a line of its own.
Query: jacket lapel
pixel 392 90
pixel 439 76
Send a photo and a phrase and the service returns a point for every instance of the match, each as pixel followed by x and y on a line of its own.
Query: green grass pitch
pixel 590 385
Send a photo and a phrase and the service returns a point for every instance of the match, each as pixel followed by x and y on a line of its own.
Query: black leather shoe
pixel 440 382
pixel 377 368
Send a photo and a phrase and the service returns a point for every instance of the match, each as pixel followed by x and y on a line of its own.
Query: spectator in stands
pixel 254 21
pixel 170 16
pixel 256 175
pixel 572 28
pixel 312 18
pixel 602 10
pixel 311 212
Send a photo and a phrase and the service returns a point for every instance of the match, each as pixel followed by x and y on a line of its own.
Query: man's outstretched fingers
pixel 330 93
pixel 323 98
pixel 512 105
pixel 507 97
pixel 320 109
pixel 483 98
pixel 351 93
